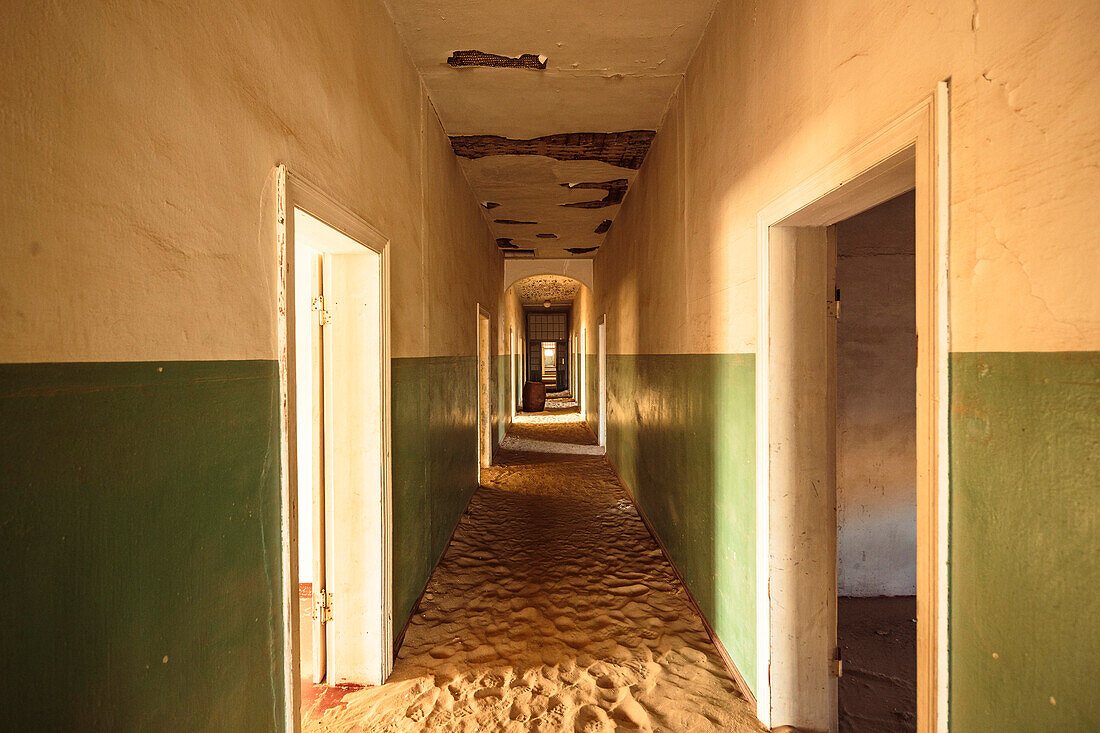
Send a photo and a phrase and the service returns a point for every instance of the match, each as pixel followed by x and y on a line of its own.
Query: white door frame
pixel 293 192
pixel 512 373
pixel 868 174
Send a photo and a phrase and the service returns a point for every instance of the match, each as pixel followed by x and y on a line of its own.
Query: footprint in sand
pixel 630 715
pixel 555 713
pixel 520 712
pixel 591 719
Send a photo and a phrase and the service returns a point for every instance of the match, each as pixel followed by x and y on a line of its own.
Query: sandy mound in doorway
pixel 552 610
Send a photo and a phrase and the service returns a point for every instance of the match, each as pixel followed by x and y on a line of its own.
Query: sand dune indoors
pixel 552 610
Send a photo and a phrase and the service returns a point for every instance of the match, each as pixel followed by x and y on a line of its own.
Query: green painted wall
pixel 412 559
pixel 502 395
pixel 681 432
pixel 434 465
pixel 1025 514
pixel 592 391
pixel 140 546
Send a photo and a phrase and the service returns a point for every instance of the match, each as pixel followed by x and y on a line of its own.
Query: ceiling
pixel 558 289
pixel 550 106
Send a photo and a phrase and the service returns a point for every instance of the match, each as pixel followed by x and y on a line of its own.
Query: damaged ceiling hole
pixel 581 250
pixel 622 149
pixel 513 221
pixel 459 59
pixel 547 236
pixel 490 204
pixel 506 243
pixel 615 191
pixel 604 226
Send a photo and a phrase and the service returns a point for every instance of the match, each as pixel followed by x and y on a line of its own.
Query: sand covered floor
pixel 552 610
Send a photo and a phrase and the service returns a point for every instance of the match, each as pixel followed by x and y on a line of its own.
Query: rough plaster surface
pixel 1024 126
pixel 138 143
pixel 610 67
pixel 876 452
pixel 537 289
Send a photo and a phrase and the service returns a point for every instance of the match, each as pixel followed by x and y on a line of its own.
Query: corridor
pixel 806 289
pixel 552 609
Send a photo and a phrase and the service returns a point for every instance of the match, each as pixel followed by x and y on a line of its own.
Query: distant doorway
pixel 549 365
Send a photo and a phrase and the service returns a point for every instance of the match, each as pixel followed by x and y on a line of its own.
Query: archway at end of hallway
pixel 556 313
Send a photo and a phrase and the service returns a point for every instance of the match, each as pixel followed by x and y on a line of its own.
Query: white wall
pixel 876 402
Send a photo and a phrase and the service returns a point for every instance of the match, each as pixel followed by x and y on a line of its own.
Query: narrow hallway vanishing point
pixel 552 609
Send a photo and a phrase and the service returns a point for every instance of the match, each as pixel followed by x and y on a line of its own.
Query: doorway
pixel 549 371
pixel 336 459
pixel 484 403
pixel 875 464
pixel 512 373
pixel 798 667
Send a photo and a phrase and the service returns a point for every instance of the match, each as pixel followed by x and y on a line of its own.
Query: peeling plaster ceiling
pixel 610 68
pixel 557 289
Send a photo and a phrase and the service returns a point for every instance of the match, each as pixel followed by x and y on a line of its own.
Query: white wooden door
pixel 354 449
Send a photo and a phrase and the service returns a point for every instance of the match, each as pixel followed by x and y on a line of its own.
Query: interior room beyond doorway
pixel 876 467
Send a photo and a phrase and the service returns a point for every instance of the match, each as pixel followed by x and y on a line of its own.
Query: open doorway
pixel 484 404
pixel 549 365
pixel 876 466
pixel 336 502
pixel 798 667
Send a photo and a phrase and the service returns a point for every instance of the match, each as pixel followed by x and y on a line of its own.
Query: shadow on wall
pixel 681 432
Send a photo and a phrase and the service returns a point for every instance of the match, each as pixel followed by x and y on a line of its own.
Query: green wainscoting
pixel 592 392
pixel 681 432
pixel 140 546
pixel 502 397
pixel 412 557
pixel 1025 546
pixel 434 465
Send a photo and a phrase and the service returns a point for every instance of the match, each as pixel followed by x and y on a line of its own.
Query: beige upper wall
pixel 779 89
pixel 138 139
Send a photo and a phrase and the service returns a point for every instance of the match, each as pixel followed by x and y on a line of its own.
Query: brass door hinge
pixel 836 665
pixel 324 317
pixel 833 306
pixel 322 606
